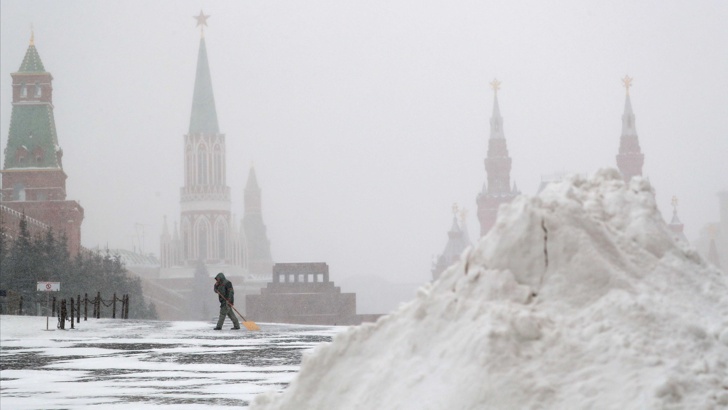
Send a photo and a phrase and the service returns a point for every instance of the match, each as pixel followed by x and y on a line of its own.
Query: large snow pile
pixel 578 298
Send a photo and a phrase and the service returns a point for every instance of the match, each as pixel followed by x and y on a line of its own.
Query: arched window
pixel 221 239
pixel 202 166
pixel 38 91
pixel 202 242
pixel 19 192
pixel 218 166
pixel 23 90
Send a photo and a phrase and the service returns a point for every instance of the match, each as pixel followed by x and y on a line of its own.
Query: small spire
pixel 201 22
pixel 496 121
pixel 32 35
pixel 627 81
pixel 495 84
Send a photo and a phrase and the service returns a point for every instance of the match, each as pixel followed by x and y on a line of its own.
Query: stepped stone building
pixel 302 293
pixel 498 189
pixel 33 180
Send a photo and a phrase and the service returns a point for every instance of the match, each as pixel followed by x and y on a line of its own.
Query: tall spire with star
pixel 205 222
pixel 498 189
pixel 630 158
pixel 204 115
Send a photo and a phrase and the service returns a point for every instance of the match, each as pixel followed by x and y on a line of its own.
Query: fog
pixel 367 120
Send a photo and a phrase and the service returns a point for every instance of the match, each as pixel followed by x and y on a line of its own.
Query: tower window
pixel 19 192
pixel 38 91
pixel 23 90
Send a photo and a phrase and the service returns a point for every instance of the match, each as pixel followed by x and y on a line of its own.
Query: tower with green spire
pixel 33 180
pixel 206 232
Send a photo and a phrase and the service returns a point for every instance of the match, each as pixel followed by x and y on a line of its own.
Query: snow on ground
pixel 577 299
pixel 134 364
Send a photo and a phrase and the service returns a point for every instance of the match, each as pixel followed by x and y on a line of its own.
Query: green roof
pixel 204 115
pixel 31 62
pixel 32 127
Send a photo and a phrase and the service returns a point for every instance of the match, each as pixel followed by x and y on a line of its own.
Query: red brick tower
pixel 33 180
pixel 630 158
pixel 498 168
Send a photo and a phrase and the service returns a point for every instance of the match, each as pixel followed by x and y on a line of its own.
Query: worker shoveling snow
pixel 578 298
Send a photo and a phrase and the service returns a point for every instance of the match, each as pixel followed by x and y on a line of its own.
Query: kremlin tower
pixel 206 233
pixel 630 158
pixel 457 241
pixel 33 180
pixel 256 244
pixel 498 169
pixel 207 238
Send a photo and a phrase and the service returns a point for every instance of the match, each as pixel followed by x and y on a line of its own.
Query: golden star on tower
pixel 201 21
pixel 627 81
pixel 495 84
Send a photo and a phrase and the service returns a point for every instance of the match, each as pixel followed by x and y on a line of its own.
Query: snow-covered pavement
pixel 115 364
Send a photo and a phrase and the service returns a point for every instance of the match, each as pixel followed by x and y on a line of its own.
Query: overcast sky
pixel 367 120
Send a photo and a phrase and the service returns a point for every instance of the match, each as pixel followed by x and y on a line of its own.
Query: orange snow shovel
pixel 248 324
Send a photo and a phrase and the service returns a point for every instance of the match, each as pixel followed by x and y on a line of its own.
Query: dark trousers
pixel 226 310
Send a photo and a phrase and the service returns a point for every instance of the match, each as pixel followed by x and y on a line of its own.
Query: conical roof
pixel 252 183
pixel 204 115
pixel 31 62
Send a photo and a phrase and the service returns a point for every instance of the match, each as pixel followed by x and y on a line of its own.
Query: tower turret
pixel 457 242
pixel 498 169
pixel 205 198
pixel 33 180
pixel 259 258
pixel 630 158
pixel 676 227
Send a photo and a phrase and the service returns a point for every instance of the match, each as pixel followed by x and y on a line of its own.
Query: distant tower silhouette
pixel 676 227
pixel 206 231
pixel 33 180
pixel 457 242
pixel 256 241
pixel 498 168
pixel 630 158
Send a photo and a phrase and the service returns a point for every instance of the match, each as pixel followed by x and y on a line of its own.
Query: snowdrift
pixel 577 298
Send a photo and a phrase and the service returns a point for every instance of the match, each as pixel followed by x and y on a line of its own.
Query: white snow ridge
pixel 577 299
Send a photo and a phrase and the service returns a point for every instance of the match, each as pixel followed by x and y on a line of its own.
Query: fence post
pixel 62 315
pixel 98 303
pixel 113 311
pixel 72 313
pixel 78 309
pixel 127 306
pixel 85 307
pixel 20 310
pixel 54 307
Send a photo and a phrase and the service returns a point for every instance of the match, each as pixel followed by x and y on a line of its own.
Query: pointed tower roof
pixel 457 242
pixel 252 183
pixel 629 157
pixel 32 139
pixel 496 120
pixel 629 128
pixel 204 115
pixel 675 225
pixel 31 63
pixel 165 230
